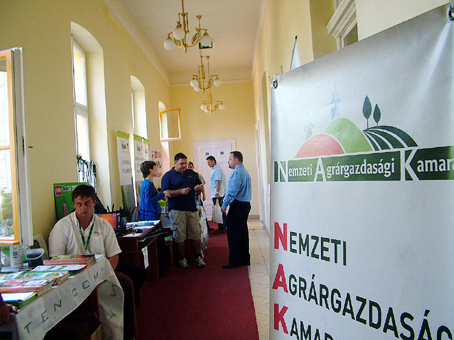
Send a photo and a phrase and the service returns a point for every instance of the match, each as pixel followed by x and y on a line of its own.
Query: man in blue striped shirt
pixel 238 197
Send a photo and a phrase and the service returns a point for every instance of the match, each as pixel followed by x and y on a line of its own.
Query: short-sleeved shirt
pixel 218 175
pixel 174 180
pixel 65 237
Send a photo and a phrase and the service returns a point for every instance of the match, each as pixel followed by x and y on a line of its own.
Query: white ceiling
pixel 232 24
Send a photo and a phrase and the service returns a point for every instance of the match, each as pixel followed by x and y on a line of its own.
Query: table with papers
pixel 36 318
pixel 139 248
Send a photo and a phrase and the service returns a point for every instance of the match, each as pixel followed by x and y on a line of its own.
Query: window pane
pixel 79 76
pixel 82 136
pixel 4 108
pixel 132 109
pixel 15 222
pixel 6 203
pixel 352 36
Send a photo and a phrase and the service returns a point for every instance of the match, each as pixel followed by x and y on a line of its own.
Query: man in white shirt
pixel 218 186
pixel 83 232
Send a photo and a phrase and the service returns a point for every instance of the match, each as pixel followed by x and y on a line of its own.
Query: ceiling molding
pixel 121 13
pixel 342 18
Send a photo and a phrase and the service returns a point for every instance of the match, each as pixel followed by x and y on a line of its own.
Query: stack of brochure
pixel 83 259
pixel 20 300
pixel 39 286
pixel 60 267
pixel 57 276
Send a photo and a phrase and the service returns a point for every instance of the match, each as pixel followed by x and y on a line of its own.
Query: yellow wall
pixel 43 29
pixel 282 21
pixel 321 13
pixel 236 121
pixel 376 16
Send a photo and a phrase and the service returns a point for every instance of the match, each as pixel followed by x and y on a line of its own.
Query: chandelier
pixel 200 81
pixel 178 36
pixel 207 105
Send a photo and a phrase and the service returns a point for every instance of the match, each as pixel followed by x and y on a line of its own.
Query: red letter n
pixel 278 235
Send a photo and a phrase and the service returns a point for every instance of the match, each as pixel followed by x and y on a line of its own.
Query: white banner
pixel 124 164
pixel 140 155
pixel 362 208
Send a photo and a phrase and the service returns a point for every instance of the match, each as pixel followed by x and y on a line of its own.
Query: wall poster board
pixel 156 156
pixel 141 154
pixel 125 169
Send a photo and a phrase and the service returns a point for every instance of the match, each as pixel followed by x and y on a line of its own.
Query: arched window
pixel 90 114
pixel 80 101
pixel 138 108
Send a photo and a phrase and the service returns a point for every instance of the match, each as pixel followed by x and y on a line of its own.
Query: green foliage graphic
pixel 367 109
pixel 377 114
pixel 384 137
pixel 388 137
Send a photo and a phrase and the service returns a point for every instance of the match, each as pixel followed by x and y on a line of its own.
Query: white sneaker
pixel 184 263
pixel 199 262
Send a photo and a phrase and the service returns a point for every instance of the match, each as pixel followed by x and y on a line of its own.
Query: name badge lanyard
pixel 83 238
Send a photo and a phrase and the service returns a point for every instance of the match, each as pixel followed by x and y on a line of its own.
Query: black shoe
pixel 219 231
pixel 231 265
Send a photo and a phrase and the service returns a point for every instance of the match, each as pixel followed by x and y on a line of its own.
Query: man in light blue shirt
pixel 238 197
pixel 218 186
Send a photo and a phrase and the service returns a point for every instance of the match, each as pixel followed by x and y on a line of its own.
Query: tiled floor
pixel 259 247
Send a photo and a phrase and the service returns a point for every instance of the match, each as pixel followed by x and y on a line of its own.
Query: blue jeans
pixel 221 200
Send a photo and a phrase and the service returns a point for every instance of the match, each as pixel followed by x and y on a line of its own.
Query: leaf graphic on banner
pixel 377 114
pixel 367 109
pixel 387 137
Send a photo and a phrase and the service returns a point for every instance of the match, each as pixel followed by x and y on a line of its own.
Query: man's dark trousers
pixel 237 232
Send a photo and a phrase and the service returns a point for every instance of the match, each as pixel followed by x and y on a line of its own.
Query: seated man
pixel 83 232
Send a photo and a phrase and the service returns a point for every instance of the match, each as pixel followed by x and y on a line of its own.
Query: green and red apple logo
pixel 342 136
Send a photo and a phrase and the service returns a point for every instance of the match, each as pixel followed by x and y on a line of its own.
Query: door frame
pixel 200 164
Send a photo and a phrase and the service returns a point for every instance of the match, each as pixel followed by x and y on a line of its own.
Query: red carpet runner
pixel 208 303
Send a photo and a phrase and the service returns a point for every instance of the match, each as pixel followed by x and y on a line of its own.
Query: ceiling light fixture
pixel 207 105
pixel 178 36
pixel 201 82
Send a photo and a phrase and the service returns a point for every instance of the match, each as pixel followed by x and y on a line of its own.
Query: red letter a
pixel 279 280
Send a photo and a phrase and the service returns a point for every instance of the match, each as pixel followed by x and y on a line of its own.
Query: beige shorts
pixel 185 224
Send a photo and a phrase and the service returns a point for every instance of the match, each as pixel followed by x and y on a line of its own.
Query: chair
pixel 38 242
pixel 169 244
